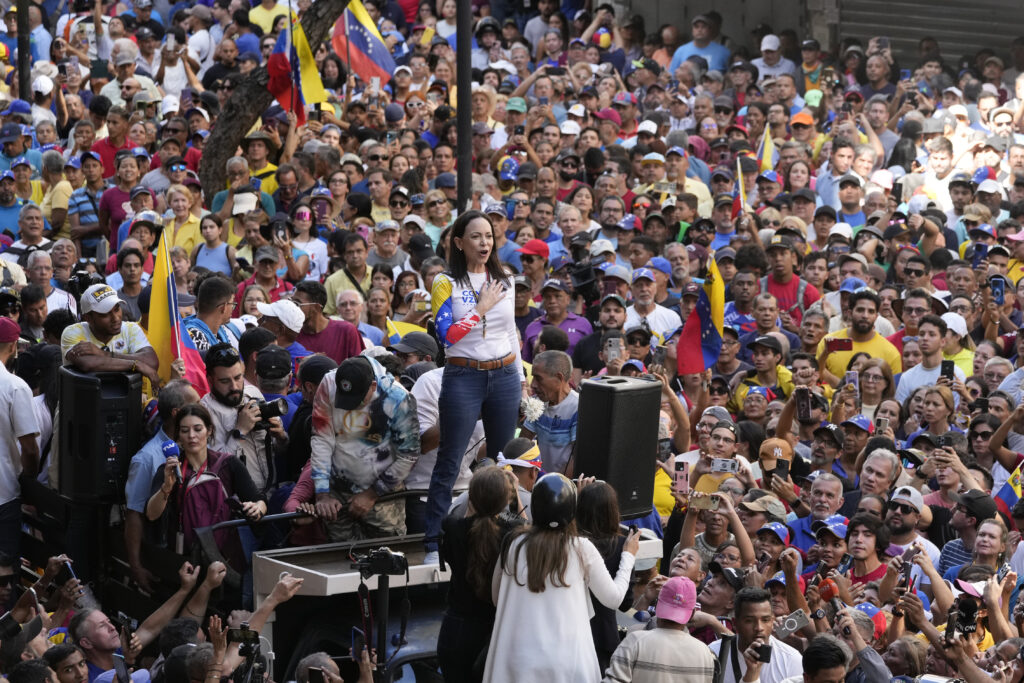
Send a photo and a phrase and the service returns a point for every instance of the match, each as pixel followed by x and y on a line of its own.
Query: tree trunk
pixel 251 98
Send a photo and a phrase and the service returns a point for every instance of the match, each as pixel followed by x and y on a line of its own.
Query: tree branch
pixel 251 98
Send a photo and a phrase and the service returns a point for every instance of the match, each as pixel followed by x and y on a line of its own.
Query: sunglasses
pixel 528 259
pixel 437 202
pixel 719 391
pixel 904 509
pixel 913 273
pixel 303 215
pixel 178 167
pixel 981 435
pixel 398 203
pixel 379 157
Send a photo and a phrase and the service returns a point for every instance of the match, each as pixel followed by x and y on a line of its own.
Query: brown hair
pixel 547 556
pixel 489 493
pixel 890 388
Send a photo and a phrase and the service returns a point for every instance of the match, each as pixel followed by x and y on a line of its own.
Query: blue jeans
pixel 466 396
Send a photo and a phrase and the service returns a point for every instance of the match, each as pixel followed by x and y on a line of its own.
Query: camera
pixel 584 282
pixel 82 279
pixel 277 407
pixel 963 616
pixel 381 561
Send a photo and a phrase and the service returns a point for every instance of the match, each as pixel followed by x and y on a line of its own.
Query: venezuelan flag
pixel 356 37
pixel 767 155
pixel 703 328
pixel 294 80
pixel 166 332
pixel 1010 492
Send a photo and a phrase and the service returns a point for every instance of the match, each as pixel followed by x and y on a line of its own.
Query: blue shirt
pixel 141 472
pixel 722 240
pixel 9 217
pixel 803 537
pixel 87 206
pixel 33 156
pixel 716 54
pixel 286 419
pixel 371 333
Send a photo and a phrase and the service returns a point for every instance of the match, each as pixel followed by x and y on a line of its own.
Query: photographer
pixel 234 407
pixel 753 624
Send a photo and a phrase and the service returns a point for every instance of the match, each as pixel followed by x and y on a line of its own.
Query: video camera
pixel 382 561
pixel 81 280
pixel 963 617
pixel 584 282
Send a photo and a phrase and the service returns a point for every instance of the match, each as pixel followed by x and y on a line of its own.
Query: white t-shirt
pixel 662 321
pixel 919 376
pixel 18 420
pixel 786 662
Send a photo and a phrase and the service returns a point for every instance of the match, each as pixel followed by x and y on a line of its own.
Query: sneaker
pixel 431 558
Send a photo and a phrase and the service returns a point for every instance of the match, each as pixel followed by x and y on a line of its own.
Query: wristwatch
pixel 818 614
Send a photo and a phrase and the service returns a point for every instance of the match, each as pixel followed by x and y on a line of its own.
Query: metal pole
pixel 463 114
pixel 24 52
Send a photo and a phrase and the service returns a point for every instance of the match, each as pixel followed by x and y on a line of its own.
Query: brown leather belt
pixel 482 364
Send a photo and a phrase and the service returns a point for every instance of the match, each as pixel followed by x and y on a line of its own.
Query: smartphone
pixel 980 252
pixel 883 43
pixel 421 306
pixel 65 574
pixel 320 206
pixel 62 69
pixel 358 643
pixel 664 449
pixel 519 130
pixel 904 74
pixel 781 469
pixel 121 669
pixel 803 404
pixel 243 635
pixel 845 562
pixel 908 565
pixel 681 476
pixel 704 503
pixel 881 424
pixel 947 370
pixel 981 404
pixel 833 345
pixel 730 465
pixel 172 42
pixel 791 623
pixel 944 441
pixel 764 653
pixel 314 116
pixel 1003 571
pixel 542 100
pixel 612 350
pixel 852 377
pixel 998 286
pixel 658 355
pixel 316 674
pixel 556 71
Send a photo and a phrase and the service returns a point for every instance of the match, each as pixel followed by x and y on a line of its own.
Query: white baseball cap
pixel 100 299
pixel 42 85
pixel 290 315
pixel 569 128
pixel 770 42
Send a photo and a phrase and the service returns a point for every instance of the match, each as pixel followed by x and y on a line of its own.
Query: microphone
pixel 170 450
pixel 830 591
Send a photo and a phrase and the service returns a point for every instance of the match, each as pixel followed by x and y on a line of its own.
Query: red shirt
pixel 896 339
pixel 868 578
pixel 146 267
pixel 192 157
pixel 107 151
pixel 280 288
pixel 338 341
pixel 785 294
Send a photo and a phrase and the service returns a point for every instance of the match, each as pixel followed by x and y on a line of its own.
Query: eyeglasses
pixel 730 342
pixel 528 259
pixel 872 378
pixel 174 130
pixel 226 356
pixel 904 509
pixel 378 157
pixel 177 168
pixel 303 215
pixel 636 342
pixel 723 110
pixel 914 311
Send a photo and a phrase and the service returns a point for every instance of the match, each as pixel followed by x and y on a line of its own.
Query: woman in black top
pixel 470 545
pixel 597 515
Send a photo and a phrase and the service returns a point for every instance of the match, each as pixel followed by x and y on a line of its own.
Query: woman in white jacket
pixel 542 587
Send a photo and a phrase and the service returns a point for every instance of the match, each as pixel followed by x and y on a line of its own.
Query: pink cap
pixel 609 114
pixel 882 178
pixel 9 331
pixel 677 600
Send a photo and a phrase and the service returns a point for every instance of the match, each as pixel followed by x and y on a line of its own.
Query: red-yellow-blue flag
pixel 767 155
pixel 293 77
pixel 1010 492
pixel 356 38
pixel 166 332
pixel 703 328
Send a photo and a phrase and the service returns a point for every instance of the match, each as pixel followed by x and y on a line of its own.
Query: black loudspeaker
pixel 617 438
pixel 100 430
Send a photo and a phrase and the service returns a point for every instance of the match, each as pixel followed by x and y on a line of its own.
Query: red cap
pixel 535 247
pixel 9 331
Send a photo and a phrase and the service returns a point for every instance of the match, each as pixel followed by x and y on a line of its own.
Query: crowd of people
pixel 838 495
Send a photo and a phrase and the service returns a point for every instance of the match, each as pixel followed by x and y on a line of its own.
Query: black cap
pixel 352 379
pixel 768 341
pixel 420 246
pixel 417 342
pixel 731 576
pixel 273 362
pixel 832 430
pixel 826 211
pixel 313 368
pixel 978 504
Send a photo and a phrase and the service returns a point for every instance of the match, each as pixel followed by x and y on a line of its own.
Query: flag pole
pixel 291 48
pixel 172 298
pixel 348 48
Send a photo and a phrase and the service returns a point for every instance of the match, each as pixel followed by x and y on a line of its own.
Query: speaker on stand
pixel 617 437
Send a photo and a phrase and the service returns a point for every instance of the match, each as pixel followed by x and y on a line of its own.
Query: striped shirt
pixel 953 554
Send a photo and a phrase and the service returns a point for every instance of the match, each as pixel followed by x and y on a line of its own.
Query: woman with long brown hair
pixel 543 590
pixel 471 546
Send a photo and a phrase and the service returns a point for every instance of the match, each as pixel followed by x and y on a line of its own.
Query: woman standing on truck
pixel 474 311
pixel 198 485
pixel 471 545
pixel 541 626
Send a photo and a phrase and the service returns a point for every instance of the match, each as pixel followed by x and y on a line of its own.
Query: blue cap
pixel 640 273
pixel 249 56
pixel 861 421
pixel 612 269
pixel 761 391
pixel 561 261
pixel 73 162
pixel 47 147
pixel 676 150
pixel 20 161
pixel 780 531
pixel 628 222
pixel 17 107
pixel 852 284
pixel 509 169
pixel 90 155
pixel 633 362
pixel 660 263
pixel 140 152
pixel 203 133
pixel 985 228
pixel 445 180
pixel 777 577
pixel 837 529
pixel 321 191
pixel 26 129
pixel 770 176
pixel 6 175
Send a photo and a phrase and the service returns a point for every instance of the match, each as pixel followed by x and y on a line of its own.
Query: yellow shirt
pixel 964 360
pixel 379 214
pixel 57 198
pixel 877 347
pixel 187 236
pixel 783 380
pixel 664 503
pixel 340 282
pixel 264 18
pixel 267 177
pixel 37 193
